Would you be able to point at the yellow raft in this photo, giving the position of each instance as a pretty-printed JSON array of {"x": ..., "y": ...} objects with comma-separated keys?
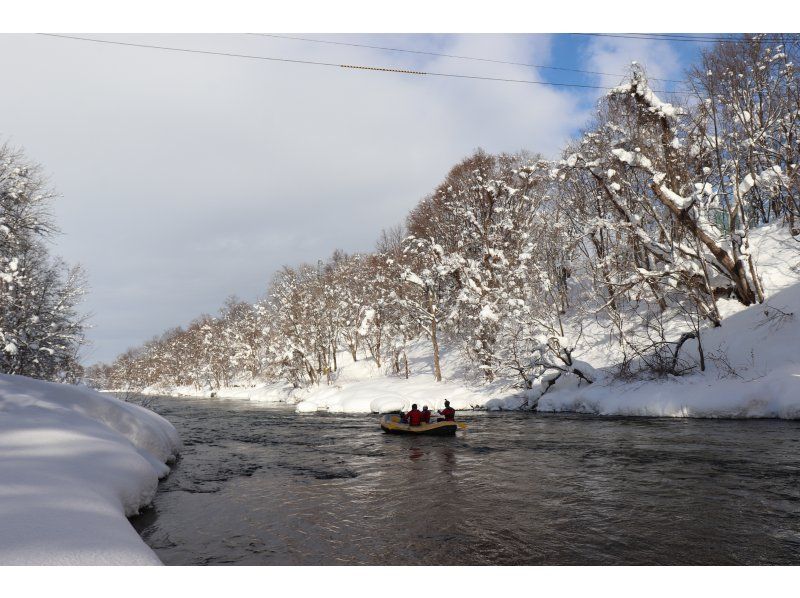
[{"x": 391, "y": 424}]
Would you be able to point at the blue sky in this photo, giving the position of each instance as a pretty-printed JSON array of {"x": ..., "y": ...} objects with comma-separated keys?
[
  {"x": 575, "y": 51},
  {"x": 186, "y": 178}
]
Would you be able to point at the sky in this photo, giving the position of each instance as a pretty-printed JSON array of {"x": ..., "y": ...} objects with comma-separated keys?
[{"x": 186, "y": 178}]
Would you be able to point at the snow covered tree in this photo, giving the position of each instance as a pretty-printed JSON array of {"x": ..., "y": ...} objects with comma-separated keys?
[
  {"x": 41, "y": 331},
  {"x": 347, "y": 287},
  {"x": 302, "y": 347},
  {"x": 661, "y": 150},
  {"x": 398, "y": 327},
  {"x": 492, "y": 199},
  {"x": 481, "y": 223},
  {"x": 242, "y": 337},
  {"x": 748, "y": 104},
  {"x": 426, "y": 285}
]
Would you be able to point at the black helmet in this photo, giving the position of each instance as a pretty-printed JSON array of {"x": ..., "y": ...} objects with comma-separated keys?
[{"x": 414, "y": 406}]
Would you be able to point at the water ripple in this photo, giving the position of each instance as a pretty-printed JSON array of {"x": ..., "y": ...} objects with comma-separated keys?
[{"x": 260, "y": 485}]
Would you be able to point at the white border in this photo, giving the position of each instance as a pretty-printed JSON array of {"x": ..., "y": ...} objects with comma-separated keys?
[
  {"x": 496, "y": 16},
  {"x": 400, "y": 582},
  {"x": 407, "y": 16}
]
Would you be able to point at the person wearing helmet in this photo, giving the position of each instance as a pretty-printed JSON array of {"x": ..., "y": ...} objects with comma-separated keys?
[{"x": 448, "y": 412}]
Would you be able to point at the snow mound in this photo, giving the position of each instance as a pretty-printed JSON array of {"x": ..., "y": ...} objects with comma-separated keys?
[
  {"x": 73, "y": 464},
  {"x": 775, "y": 397},
  {"x": 753, "y": 370}
]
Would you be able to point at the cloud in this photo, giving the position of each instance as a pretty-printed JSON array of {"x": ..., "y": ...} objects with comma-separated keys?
[
  {"x": 615, "y": 55},
  {"x": 186, "y": 178}
]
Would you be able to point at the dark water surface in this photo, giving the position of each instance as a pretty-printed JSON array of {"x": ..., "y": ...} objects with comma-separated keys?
[{"x": 260, "y": 485}]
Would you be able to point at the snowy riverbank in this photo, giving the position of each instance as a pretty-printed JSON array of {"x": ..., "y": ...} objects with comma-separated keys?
[
  {"x": 753, "y": 367},
  {"x": 766, "y": 382},
  {"x": 73, "y": 464},
  {"x": 363, "y": 387},
  {"x": 752, "y": 360},
  {"x": 753, "y": 370}
]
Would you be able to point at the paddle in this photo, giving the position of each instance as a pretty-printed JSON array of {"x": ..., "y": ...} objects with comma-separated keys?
[{"x": 462, "y": 425}]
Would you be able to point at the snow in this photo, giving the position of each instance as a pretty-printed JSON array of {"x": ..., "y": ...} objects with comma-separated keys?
[
  {"x": 385, "y": 395},
  {"x": 761, "y": 348},
  {"x": 767, "y": 364},
  {"x": 758, "y": 342},
  {"x": 747, "y": 183},
  {"x": 632, "y": 158},
  {"x": 773, "y": 396},
  {"x": 366, "y": 323},
  {"x": 640, "y": 88},
  {"x": 768, "y": 177},
  {"x": 413, "y": 278},
  {"x": 488, "y": 314},
  {"x": 363, "y": 387},
  {"x": 680, "y": 202},
  {"x": 74, "y": 464}
]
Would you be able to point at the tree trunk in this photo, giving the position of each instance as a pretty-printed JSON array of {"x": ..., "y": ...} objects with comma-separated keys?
[
  {"x": 735, "y": 269},
  {"x": 437, "y": 372}
]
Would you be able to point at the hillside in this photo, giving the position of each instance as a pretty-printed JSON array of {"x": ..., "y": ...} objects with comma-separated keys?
[{"x": 752, "y": 367}]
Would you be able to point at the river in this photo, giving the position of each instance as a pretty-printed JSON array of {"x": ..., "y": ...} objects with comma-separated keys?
[{"x": 261, "y": 485}]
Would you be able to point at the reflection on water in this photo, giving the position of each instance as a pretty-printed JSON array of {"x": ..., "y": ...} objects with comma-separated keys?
[{"x": 261, "y": 486}]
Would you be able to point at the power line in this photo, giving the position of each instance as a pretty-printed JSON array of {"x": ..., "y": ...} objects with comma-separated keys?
[
  {"x": 186, "y": 50},
  {"x": 675, "y": 37},
  {"x": 776, "y": 38},
  {"x": 331, "y": 64},
  {"x": 646, "y": 36},
  {"x": 457, "y": 56}
]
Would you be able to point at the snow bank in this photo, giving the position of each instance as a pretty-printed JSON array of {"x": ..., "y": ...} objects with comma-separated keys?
[
  {"x": 386, "y": 395},
  {"x": 753, "y": 363},
  {"x": 73, "y": 464},
  {"x": 362, "y": 387},
  {"x": 277, "y": 392},
  {"x": 776, "y": 395}
]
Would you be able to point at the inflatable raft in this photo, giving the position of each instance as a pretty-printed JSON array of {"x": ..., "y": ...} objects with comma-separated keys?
[{"x": 391, "y": 424}]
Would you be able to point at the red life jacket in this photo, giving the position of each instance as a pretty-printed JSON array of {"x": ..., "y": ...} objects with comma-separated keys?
[
  {"x": 425, "y": 416},
  {"x": 414, "y": 417},
  {"x": 449, "y": 414}
]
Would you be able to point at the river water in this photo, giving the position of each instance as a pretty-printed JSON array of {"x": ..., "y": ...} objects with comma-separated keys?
[{"x": 261, "y": 485}]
